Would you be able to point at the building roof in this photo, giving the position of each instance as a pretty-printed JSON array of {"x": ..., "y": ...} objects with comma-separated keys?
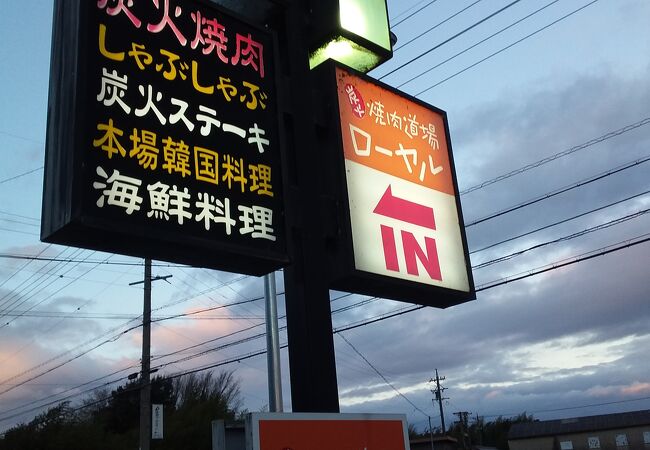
[{"x": 579, "y": 424}]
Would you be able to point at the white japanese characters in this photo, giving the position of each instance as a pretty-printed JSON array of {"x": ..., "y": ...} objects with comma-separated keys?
[{"x": 169, "y": 203}]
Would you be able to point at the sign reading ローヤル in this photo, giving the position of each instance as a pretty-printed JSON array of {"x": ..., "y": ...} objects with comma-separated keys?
[
  {"x": 404, "y": 214},
  {"x": 326, "y": 431},
  {"x": 163, "y": 135}
]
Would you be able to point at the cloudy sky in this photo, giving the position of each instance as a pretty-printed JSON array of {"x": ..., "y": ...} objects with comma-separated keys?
[{"x": 568, "y": 342}]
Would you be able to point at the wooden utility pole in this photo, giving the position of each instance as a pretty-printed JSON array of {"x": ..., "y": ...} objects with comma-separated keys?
[
  {"x": 145, "y": 376},
  {"x": 437, "y": 392}
]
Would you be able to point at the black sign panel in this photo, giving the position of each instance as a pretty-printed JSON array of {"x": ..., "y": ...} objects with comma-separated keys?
[{"x": 163, "y": 136}]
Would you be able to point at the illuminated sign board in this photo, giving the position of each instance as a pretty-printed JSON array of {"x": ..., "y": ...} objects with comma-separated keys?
[
  {"x": 162, "y": 135},
  {"x": 400, "y": 217},
  {"x": 326, "y": 431}
]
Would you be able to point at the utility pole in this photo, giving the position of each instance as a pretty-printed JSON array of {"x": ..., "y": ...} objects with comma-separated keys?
[
  {"x": 437, "y": 392},
  {"x": 145, "y": 374},
  {"x": 431, "y": 433},
  {"x": 464, "y": 428},
  {"x": 479, "y": 426}
]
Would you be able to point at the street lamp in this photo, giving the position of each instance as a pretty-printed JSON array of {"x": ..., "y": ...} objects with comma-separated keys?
[{"x": 353, "y": 32}]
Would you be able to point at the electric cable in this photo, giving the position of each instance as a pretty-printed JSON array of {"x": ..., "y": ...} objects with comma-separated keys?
[
  {"x": 109, "y": 263},
  {"x": 382, "y": 375},
  {"x": 568, "y": 237},
  {"x": 446, "y": 41},
  {"x": 15, "y": 177},
  {"x": 545, "y": 227},
  {"x": 456, "y": 55},
  {"x": 561, "y": 190},
  {"x": 431, "y": 2},
  {"x": 558, "y": 155},
  {"x": 437, "y": 25},
  {"x": 48, "y": 297},
  {"x": 567, "y": 262},
  {"x": 567, "y": 408},
  {"x": 401, "y": 311},
  {"x": 21, "y": 268},
  {"x": 33, "y": 288},
  {"x": 505, "y": 48}
]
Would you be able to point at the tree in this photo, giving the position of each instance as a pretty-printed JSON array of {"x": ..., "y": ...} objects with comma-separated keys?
[
  {"x": 494, "y": 433},
  {"x": 108, "y": 420},
  {"x": 200, "y": 398}
]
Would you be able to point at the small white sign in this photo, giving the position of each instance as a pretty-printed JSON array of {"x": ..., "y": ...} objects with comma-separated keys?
[
  {"x": 646, "y": 437},
  {"x": 566, "y": 445},
  {"x": 594, "y": 442},
  {"x": 621, "y": 440},
  {"x": 156, "y": 421}
]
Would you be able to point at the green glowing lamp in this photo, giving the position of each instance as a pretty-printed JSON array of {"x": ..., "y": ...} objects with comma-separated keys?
[{"x": 353, "y": 32}]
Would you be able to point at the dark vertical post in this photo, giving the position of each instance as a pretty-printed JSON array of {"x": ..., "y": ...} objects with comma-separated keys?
[
  {"x": 272, "y": 344},
  {"x": 309, "y": 323},
  {"x": 440, "y": 399},
  {"x": 145, "y": 382}
]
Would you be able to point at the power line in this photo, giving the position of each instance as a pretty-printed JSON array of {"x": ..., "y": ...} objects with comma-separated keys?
[
  {"x": 421, "y": 74},
  {"x": 600, "y": 252},
  {"x": 247, "y": 339},
  {"x": 27, "y": 233},
  {"x": 7, "y": 213},
  {"x": 567, "y": 262},
  {"x": 437, "y": 25},
  {"x": 69, "y": 260},
  {"x": 20, "y": 175},
  {"x": 16, "y": 136},
  {"x": 32, "y": 283},
  {"x": 567, "y": 408},
  {"x": 19, "y": 222},
  {"x": 52, "y": 369},
  {"x": 74, "y": 280},
  {"x": 112, "y": 339},
  {"x": 74, "y": 388},
  {"x": 568, "y": 237},
  {"x": 409, "y": 8},
  {"x": 240, "y": 341},
  {"x": 446, "y": 41},
  {"x": 413, "y": 13},
  {"x": 107, "y": 316},
  {"x": 561, "y": 154},
  {"x": 21, "y": 268},
  {"x": 600, "y": 208},
  {"x": 561, "y": 190},
  {"x": 479, "y": 289},
  {"x": 506, "y": 48},
  {"x": 382, "y": 375},
  {"x": 402, "y": 311}
]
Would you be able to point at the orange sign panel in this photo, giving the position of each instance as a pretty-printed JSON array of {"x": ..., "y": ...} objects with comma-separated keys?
[
  {"x": 383, "y": 132},
  {"x": 306, "y": 431}
]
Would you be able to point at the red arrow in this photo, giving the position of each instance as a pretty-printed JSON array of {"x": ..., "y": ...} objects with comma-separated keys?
[{"x": 404, "y": 210}]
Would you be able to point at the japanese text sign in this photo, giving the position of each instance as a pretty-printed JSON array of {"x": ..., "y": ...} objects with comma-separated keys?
[
  {"x": 323, "y": 431},
  {"x": 175, "y": 152},
  {"x": 404, "y": 216}
]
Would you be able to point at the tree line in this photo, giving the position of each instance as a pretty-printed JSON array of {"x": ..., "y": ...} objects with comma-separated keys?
[
  {"x": 109, "y": 419},
  {"x": 492, "y": 433}
]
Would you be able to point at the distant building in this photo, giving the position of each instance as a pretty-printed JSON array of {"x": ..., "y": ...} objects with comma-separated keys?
[{"x": 622, "y": 431}]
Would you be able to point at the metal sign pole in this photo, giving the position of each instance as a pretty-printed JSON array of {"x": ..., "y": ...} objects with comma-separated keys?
[
  {"x": 273, "y": 344},
  {"x": 312, "y": 362}
]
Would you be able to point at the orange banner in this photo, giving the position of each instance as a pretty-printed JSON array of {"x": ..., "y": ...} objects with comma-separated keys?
[
  {"x": 393, "y": 134},
  {"x": 331, "y": 434}
]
